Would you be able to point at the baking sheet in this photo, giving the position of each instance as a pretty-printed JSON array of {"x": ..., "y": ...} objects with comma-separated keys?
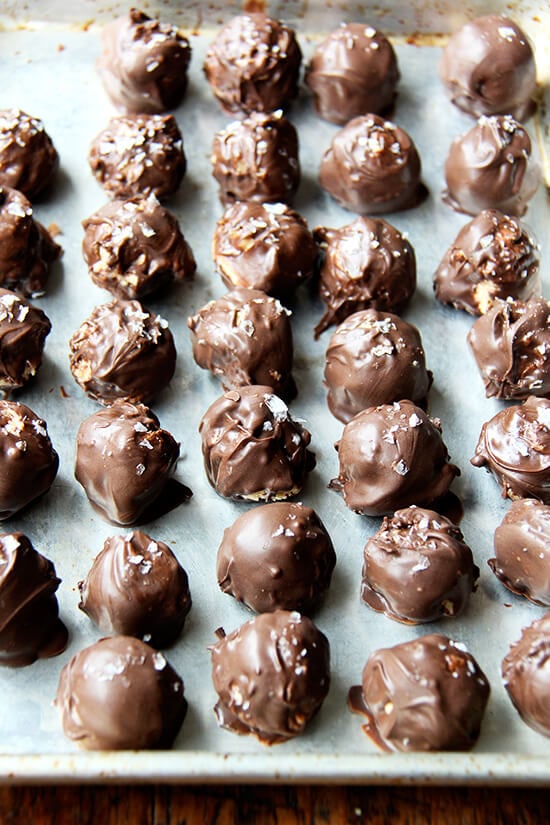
[{"x": 47, "y": 70}]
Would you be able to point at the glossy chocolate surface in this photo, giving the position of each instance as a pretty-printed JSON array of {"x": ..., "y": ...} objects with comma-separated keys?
[
  {"x": 23, "y": 331},
  {"x": 526, "y": 675},
  {"x": 28, "y": 158}
]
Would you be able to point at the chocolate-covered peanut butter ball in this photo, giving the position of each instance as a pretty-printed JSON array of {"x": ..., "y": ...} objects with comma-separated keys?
[
  {"x": 28, "y": 158},
  {"x": 23, "y": 331},
  {"x": 526, "y": 675},
  {"x": 271, "y": 675},
  {"x": 143, "y": 63}
]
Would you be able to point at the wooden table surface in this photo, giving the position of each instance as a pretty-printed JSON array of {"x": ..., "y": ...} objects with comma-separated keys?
[{"x": 256, "y": 805}]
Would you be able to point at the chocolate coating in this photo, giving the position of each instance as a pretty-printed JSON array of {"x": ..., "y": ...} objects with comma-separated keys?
[
  {"x": 493, "y": 256},
  {"x": 23, "y": 331},
  {"x": 511, "y": 345},
  {"x": 122, "y": 351},
  {"x": 490, "y": 166},
  {"x": 143, "y": 63},
  {"x": 488, "y": 68},
  {"x": 366, "y": 264},
  {"x": 137, "y": 587},
  {"x": 135, "y": 247},
  {"x": 352, "y": 72},
  {"x": 263, "y": 246},
  {"x": 428, "y": 694},
  {"x": 245, "y": 338},
  {"x": 271, "y": 675},
  {"x": 253, "y": 64},
  {"x": 276, "y": 555},
  {"x": 256, "y": 159},
  {"x": 374, "y": 358},
  {"x": 124, "y": 460},
  {"x": 30, "y": 627},
  {"x": 526, "y": 675},
  {"x": 515, "y": 446},
  {"x": 28, "y": 158},
  {"x": 138, "y": 154},
  {"x": 372, "y": 167},
  {"x": 521, "y": 545},
  {"x": 417, "y": 568},
  {"x": 252, "y": 448},
  {"x": 28, "y": 461},
  {"x": 392, "y": 456},
  {"x": 120, "y": 694},
  {"x": 26, "y": 247}
]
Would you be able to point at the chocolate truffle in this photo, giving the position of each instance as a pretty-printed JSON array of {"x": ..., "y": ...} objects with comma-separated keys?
[
  {"x": 23, "y": 331},
  {"x": 28, "y": 461},
  {"x": 511, "y": 345},
  {"x": 392, "y": 456},
  {"x": 122, "y": 351},
  {"x": 490, "y": 166},
  {"x": 271, "y": 675},
  {"x": 352, "y": 72},
  {"x": 30, "y": 627},
  {"x": 143, "y": 63},
  {"x": 245, "y": 338},
  {"x": 26, "y": 247},
  {"x": 488, "y": 68},
  {"x": 428, "y": 694},
  {"x": 252, "y": 448},
  {"x": 374, "y": 358},
  {"x": 515, "y": 446},
  {"x": 493, "y": 256},
  {"x": 372, "y": 167},
  {"x": 366, "y": 264},
  {"x": 256, "y": 159},
  {"x": 28, "y": 158},
  {"x": 124, "y": 460},
  {"x": 263, "y": 246},
  {"x": 138, "y": 154},
  {"x": 253, "y": 64},
  {"x": 135, "y": 247},
  {"x": 276, "y": 556},
  {"x": 120, "y": 694},
  {"x": 137, "y": 587},
  {"x": 417, "y": 568},
  {"x": 521, "y": 545},
  {"x": 526, "y": 675}
]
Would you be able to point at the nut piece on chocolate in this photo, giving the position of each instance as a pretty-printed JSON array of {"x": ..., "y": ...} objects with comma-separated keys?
[
  {"x": 490, "y": 166},
  {"x": 26, "y": 247},
  {"x": 23, "y": 331},
  {"x": 352, "y": 72},
  {"x": 120, "y": 694},
  {"x": 276, "y": 555},
  {"x": 143, "y": 63},
  {"x": 138, "y": 154},
  {"x": 243, "y": 338},
  {"x": 256, "y": 159},
  {"x": 511, "y": 345},
  {"x": 28, "y": 461},
  {"x": 392, "y": 456},
  {"x": 493, "y": 256},
  {"x": 366, "y": 264},
  {"x": 122, "y": 351},
  {"x": 124, "y": 460},
  {"x": 372, "y": 167},
  {"x": 137, "y": 587},
  {"x": 374, "y": 358},
  {"x": 515, "y": 446},
  {"x": 425, "y": 695},
  {"x": 271, "y": 675},
  {"x": 252, "y": 448},
  {"x": 263, "y": 246},
  {"x": 521, "y": 543},
  {"x": 417, "y": 568},
  {"x": 31, "y": 628},
  {"x": 135, "y": 247},
  {"x": 253, "y": 64},
  {"x": 526, "y": 675},
  {"x": 488, "y": 68},
  {"x": 28, "y": 158}
]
